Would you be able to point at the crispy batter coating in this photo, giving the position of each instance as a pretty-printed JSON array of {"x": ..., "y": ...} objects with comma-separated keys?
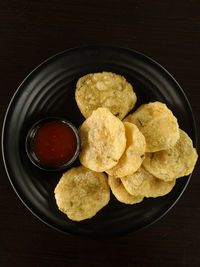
[
  {"x": 120, "y": 192},
  {"x": 172, "y": 163},
  {"x": 158, "y": 125},
  {"x": 81, "y": 193},
  {"x": 143, "y": 183},
  {"x": 134, "y": 153},
  {"x": 104, "y": 89},
  {"x": 103, "y": 140}
]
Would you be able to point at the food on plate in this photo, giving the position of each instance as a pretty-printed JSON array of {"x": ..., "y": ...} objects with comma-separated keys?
[
  {"x": 81, "y": 193},
  {"x": 143, "y": 155},
  {"x": 107, "y": 90},
  {"x": 54, "y": 143},
  {"x": 142, "y": 183},
  {"x": 120, "y": 192},
  {"x": 172, "y": 163},
  {"x": 158, "y": 125},
  {"x": 103, "y": 140},
  {"x": 134, "y": 153}
]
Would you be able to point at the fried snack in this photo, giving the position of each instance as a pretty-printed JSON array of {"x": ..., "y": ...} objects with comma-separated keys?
[
  {"x": 104, "y": 89},
  {"x": 134, "y": 153},
  {"x": 142, "y": 183},
  {"x": 172, "y": 163},
  {"x": 103, "y": 140},
  {"x": 81, "y": 193},
  {"x": 158, "y": 125},
  {"x": 120, "y": 192}
]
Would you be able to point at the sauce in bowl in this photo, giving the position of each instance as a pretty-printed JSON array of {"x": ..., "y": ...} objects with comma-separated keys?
[{"x": 52, "y": 144}]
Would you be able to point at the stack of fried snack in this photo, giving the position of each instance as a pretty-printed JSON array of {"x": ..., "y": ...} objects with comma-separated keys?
[{"x": 137, "y": 157}]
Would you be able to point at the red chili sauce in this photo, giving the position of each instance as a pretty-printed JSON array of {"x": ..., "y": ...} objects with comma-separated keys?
[{"x": 54, "y": 143}]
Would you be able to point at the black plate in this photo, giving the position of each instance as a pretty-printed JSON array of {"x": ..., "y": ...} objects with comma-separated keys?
[{"x": 49, "y": 91}]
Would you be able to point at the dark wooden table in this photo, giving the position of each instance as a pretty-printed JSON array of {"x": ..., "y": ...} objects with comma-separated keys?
[{"x": 169, "y": 32}]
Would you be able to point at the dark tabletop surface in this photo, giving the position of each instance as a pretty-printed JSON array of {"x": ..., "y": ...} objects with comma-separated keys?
[{"x": 169, "y": 32}]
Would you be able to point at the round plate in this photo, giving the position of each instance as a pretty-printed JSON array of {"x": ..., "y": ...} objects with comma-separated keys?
[{"x": 49, "y": 91}]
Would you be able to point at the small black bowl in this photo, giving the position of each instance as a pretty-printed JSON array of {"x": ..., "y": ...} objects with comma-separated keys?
[{"x": 29, "y": 145}]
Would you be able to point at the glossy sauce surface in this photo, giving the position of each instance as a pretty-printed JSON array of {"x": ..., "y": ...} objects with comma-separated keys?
[{"x": 54, "y": 143}]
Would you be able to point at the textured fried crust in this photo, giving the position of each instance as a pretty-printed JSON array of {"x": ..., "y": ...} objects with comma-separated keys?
[
  {"x": 158, "y": 125},
  {"x": 103, "y": 140},
  {"x": 172, "y": 163},
  {"x": 81, "y": 193},
  {"x": 120, "y": 192},
  {"x": 104, "y": 89},
  {"x": 142, "y": 183},
  {"x": 134, "y": 153}
]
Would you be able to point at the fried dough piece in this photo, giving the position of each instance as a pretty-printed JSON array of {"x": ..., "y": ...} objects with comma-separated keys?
[
  {"x": 81, "y": 193},
  {"x": 158, "y": 125},
  {"x": 143, "y": 183},
  {"x": 134, "y": 153},
  {"x": 103, "y": 140},
  {"x": 107, "y": 90},
  {"x": 120, "y": 192},
  {"x": 172, "y": 163}
]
